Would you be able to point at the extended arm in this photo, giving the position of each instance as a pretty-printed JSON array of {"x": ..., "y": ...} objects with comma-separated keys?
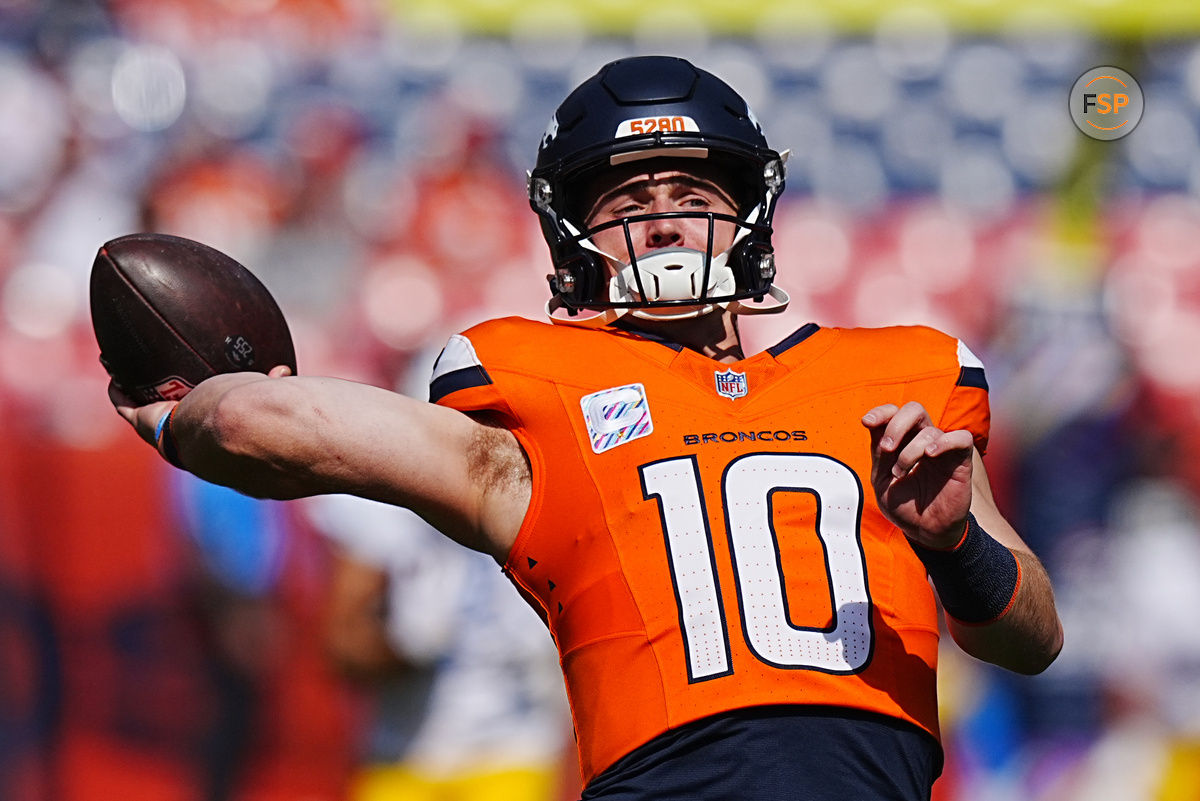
[
  {"x": 927, "y": 481},
  {"x": 288, "y": 437}
]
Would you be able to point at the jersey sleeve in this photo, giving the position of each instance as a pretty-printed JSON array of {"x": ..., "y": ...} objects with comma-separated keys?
[
  {"x": 461, "y": 381},
  {"x": 967, "y": 406}
]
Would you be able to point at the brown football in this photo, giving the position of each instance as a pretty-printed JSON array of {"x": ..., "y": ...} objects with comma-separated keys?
[{"x": 169, "y": 312}]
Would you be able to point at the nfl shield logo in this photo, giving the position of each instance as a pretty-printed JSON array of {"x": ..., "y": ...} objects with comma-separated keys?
[{"x": 730, "y": 384}]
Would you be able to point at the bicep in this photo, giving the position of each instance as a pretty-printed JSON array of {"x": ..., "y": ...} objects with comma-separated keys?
[
  {"x": 398, "y": 449},
  {"x": 467, "y": 478}
]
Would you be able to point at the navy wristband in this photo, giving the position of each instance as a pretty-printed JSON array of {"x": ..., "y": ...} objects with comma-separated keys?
[
  {"x": 977, "y": 580},
  {"x": 164, "y": 439}
]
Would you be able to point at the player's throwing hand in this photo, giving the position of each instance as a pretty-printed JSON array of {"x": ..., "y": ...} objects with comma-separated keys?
[{"x": 150, "y": 420}]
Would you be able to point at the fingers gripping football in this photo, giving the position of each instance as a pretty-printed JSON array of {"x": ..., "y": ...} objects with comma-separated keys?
[
  {"x": 146, "y": 418},
  {"x": 921, "y": 475}
]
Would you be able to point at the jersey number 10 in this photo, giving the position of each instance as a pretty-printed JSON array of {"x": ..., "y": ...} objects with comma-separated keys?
[{"x": 748, "y": 485}]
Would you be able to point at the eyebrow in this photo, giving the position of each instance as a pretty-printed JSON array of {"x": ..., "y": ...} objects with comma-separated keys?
[{"x": 639, "y": 186}]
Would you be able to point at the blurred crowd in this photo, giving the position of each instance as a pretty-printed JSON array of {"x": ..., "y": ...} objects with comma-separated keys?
[{"x": 160, "y": 640}]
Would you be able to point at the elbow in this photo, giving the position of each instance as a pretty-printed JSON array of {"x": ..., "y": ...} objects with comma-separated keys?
[
  {"x": 1034, "y": 623},
  {"x": 1025, "y": 646},
  {"x": 1038, "y": 654},
  {"x": 1033, "y": 665},
  {"x": 1043, "y": 657}
]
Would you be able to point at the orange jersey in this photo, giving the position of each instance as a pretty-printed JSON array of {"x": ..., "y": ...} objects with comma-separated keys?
[{"x": 702, "y": 537}]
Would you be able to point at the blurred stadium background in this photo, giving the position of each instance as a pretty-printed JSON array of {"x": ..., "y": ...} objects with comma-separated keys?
[{"x": 367, "y": 160}]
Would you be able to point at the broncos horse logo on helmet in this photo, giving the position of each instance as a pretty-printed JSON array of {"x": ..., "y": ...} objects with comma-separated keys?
[{"x": 651, "y": 107}]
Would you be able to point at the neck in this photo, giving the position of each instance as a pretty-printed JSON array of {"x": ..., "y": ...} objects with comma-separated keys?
[{"x": 714, "y": 335}]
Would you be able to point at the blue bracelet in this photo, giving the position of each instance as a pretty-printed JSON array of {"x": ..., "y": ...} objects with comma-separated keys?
[
  {"x": 977, "y": 580},
  {"x": 164, "y": 439}
]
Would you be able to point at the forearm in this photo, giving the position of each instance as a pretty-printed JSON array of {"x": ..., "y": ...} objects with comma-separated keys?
[
  {"x": 1028, "y": 636},
  {"x": 293, "y": 437},
  {"x": 256, "y": 435}
]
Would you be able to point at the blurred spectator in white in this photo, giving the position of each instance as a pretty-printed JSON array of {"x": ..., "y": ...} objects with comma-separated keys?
[
  {"x": 1134, "y": 612},
  {"x": 470, "y": 703},
  {"x": 468, "y": 698}
]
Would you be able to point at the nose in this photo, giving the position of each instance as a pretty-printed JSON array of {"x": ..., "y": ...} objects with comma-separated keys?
[{"x": 664, "y": 232}]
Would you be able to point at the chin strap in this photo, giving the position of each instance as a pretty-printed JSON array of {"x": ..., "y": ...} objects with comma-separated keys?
[
  {"x": 556, "y": 310},
  {"x": 749, "y": 306}
]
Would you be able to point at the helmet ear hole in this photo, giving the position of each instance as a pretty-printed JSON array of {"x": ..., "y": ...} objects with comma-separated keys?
[
  {"x": 579, "y": 278},
  {"x": 753, "y": 264}
]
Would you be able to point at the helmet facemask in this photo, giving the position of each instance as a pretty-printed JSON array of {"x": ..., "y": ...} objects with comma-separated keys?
[
  {"x": 672, "y": 282},
  {"x": 657, "y": 107},
  {"x": 669, "y": 283}
]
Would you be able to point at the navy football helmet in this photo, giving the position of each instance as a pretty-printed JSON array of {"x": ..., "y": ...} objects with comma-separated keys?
[{"x": 651, "y": 107}]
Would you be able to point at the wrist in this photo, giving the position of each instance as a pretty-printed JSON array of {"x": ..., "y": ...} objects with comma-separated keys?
[
  {"x": 977, "y": 580},
  {"x": 164, "y": 438},
  {"x": 949, "y": 540}
]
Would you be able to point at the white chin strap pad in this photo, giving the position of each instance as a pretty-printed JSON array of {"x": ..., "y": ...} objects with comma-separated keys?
[
  {"x": 678, "y": 274},
  {"x": 671, "y": 274}
]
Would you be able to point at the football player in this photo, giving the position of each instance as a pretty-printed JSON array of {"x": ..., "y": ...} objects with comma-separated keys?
[{"x": 739, "y": 557}]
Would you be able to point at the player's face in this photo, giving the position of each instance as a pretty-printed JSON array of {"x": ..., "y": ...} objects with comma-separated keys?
[{"x": 659, "y": 188}]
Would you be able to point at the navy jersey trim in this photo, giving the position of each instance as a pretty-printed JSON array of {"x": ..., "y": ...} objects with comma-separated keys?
[
  {"x": 465, "y": 378},
  {"x": 637, "y": 332},
  {"x": 795, "y": 338},
  {"x": 972, "y": 377}
]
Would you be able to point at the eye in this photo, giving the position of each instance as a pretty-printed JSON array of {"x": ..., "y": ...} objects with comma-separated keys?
[
  {"x": 624, "y": 207},
  {"x": 692, "y": 196}
]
